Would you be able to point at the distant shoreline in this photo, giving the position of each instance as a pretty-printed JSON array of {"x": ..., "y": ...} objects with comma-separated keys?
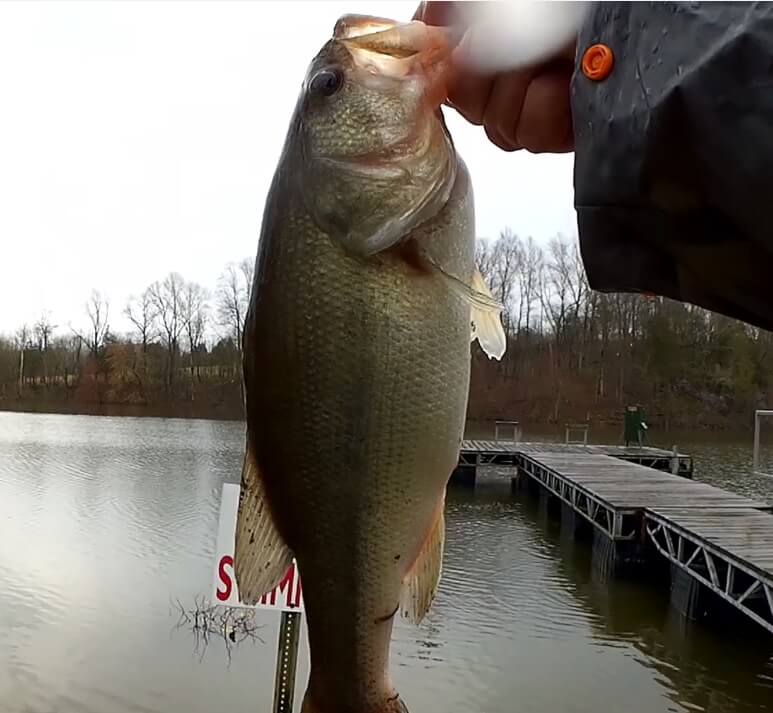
[
  {"x": 190, "y": 410},
  {"x": 477, "y": 426}
]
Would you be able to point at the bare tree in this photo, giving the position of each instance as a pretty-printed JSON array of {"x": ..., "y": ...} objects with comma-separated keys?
[
  {"x": 560, "y": 297},
  {"x": 167, "y": 299},
  {"x": 529, "y": 279},
  {"x": 142, "y": 313},
  {"x": 582, "y": 301},
  {"x": 556, "y": 290},
  {"x": 233, "y": 297},
  {"x": 247, "y": 268},
  {"x": 194, "y": 318},
  {"x": 97, "y": 310},
  {"x": 21, "y": 339},
  {"x": 506, "y": 258},
  {"x": 604, "y": 323},
  {"x": 484, "y": 260},
  {"x": 232, "y": 302},
  {"x": 43, "y": 331}
]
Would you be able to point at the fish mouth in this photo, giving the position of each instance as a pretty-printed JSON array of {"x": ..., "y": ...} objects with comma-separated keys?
[
  {"x": 351, "y": 26},
  {"x": 399, "y": 50}
]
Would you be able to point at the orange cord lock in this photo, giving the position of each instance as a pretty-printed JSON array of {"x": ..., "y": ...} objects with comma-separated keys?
[{"x": 597, "y": 62}]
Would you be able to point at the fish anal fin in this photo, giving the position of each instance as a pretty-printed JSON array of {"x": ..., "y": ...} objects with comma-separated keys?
[
  {"x": 420, "y": 585},
  {"x": 261, "y": 557},
  {"x": 487, "y": 322}
]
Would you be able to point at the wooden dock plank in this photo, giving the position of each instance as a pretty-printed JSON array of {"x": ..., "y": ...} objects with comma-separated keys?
[
  {"x": 491, "y": 446},
  {"x": 630, "y": 487}
]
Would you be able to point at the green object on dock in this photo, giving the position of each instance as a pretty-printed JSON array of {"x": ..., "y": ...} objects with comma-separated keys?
[{"x": 635, "y": 428}]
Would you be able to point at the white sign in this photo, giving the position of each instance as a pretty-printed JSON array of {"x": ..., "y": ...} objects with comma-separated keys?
[{"x": 286, "y": 596}]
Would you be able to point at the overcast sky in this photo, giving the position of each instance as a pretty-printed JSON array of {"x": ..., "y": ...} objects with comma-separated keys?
[{"x": 139, "y": 138}]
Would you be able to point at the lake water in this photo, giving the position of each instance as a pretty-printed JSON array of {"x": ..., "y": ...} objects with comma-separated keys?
[{"x": 105, "y": 521}]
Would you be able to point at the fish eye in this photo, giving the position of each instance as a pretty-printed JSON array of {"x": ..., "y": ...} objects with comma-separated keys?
[{"x": 327, "y": 82}]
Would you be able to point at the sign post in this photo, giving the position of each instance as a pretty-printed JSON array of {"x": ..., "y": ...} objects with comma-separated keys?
[
  {"x": 286, "y": 597},
  {"x": 286, "y": 661}
]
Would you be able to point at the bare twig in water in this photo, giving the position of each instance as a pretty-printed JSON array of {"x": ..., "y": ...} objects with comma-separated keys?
[{"x": 207, "y": 621}]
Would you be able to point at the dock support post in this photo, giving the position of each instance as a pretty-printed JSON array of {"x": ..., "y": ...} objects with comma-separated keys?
[
  {"x": 756, "y": 453},
  {"x": 618, "y": 558},
  {"x": 603, "y": 556},
  {"x": 572, "y": 524},
  {"x": 688, "y": 596},
  {"x": 286, "y": 662},
  {"x": 542, "y": 507},
  {"x": 675, "y": 461},
  {"x": 756, "y": 450},
  {"x": 519, "y": 483}
]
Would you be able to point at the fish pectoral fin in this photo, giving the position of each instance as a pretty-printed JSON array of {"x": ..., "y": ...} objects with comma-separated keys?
[
  {"x": 486, "y": 312},
  {"x": 421, "y": 583},
  {"x": 261, "y": 558},
  {"x": 487, "y": 321}
]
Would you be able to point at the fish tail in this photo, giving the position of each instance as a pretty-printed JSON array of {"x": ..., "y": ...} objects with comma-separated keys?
[{"x": 392, "y": 705}]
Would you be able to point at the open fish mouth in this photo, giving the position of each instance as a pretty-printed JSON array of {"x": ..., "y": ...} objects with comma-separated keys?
[
  {"x": 397, "y": 49},
  {"x": 353, "y": 25}
]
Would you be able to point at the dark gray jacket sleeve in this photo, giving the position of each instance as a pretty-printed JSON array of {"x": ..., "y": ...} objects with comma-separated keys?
[{"x": 674, "y": 154}]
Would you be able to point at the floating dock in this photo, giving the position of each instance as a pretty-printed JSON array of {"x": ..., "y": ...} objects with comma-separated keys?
[
  {"x": 642, "y": 503},
  {"x": 476, "y": 453}
]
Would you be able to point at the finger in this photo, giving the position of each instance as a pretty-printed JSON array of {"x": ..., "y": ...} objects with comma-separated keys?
[
  {"x": 436, "y": 13},
  {"x": 503, "y": 109},
  {"x": 545, "y": 121},
  {"x": 469, "y": 93}
]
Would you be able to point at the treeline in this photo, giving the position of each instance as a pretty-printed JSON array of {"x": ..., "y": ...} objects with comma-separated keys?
[
  {"x": 182, "y": 355},
  {"x": 573, "y": 353},
  {"x": 576, "y": 354}
]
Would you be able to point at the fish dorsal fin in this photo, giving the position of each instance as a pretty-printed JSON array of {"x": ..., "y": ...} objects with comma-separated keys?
[
  {"x": 261, "y": 557},
  {"x": 421, "y": 583},
  {"x": 487, "y": 322}
]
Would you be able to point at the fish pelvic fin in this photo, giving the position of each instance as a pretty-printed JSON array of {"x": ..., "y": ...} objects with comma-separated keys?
[
  {"x": 487, "y": 322},
  {"x": 420, "y": 585},
  {"x": 261, "y": 557}
]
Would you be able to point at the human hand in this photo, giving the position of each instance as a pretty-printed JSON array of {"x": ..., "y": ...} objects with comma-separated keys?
[{"x": 526, "y": 108}]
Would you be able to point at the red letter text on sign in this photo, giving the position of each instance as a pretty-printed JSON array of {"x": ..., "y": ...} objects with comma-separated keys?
[
  {"x": 225, "y": 578},
  {"x": 298, "y": 594},
  {"x": 285, "y": 587}
]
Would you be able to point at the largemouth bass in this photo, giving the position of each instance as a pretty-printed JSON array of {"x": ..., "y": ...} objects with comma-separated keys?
[{"x": 357, "y": 354}]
